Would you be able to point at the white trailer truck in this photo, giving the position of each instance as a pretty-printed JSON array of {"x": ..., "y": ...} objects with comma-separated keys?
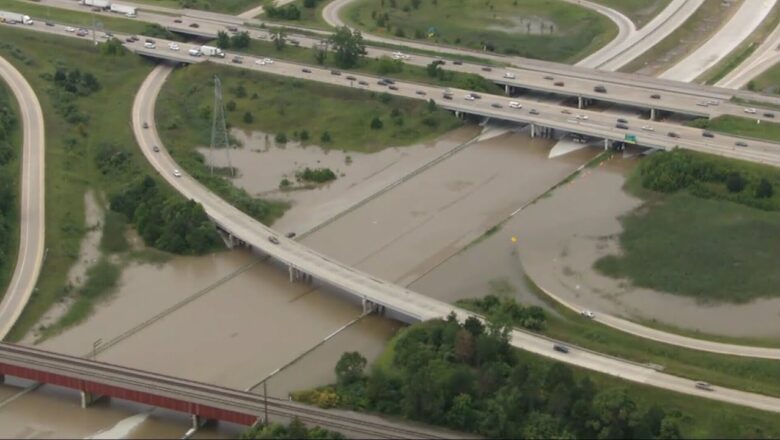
[
  {"x": 130, "y": 11},
  {"x": 211, "y": 51},
  {"x": 105, "y": 4},
  {"x": 13, "y": 17}
]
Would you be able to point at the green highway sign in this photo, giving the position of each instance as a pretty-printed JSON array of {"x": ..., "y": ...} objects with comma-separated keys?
[{"x": 630, "y": 138}]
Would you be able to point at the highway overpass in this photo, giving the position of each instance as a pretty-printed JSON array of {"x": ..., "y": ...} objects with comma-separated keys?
[
  {"x": 622, "y": 88},
  {"x": 203, "y": 401}
]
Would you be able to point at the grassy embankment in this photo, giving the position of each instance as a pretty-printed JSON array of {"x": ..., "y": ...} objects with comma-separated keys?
[
  {"x": 709, "y": 229},
  {"x": 10, "y": 173},
  {"x": 739, "y": 126},
  {"x": 227, "y": 6},
  {"x": 767, "y": 82},
  {"x": 71, "y": 170},
  {"x": 639, "y": 11},
  {"x": 743, "y": 51},
  {"x": 697, "y": 29},
  {"x": 500, "y": 25},
  {"x": 289, "y": 106},
  {"x": 748, "y": 374},
  {"x": 309, "y": 17}
]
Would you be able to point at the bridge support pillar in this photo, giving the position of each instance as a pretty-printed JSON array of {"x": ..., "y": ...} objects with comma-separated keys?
[
  {"x": 87, "y": 399},
  {"x": 579, "y": 102},
  {"x": 199, "y": 422},
  {"x": 508, "y": 90},
  {"x": 2, "y": 378},
  {"x": 606, "y": 144},
  {"x": 372, "y": 307},
  {"x": 533, "y": 130},
  {"x": 652, "y": 114}
]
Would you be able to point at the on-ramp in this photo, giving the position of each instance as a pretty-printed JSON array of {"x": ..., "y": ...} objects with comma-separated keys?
[{"x": 31, "y": 214}]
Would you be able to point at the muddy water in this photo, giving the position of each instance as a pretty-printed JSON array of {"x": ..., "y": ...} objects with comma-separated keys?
[
  {"x": 249, "y": 325},
  {"x": 561, "y": 236},
  {"x": 262, "y": 164}
]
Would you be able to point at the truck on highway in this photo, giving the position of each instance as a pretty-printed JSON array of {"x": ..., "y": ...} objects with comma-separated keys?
[
  {"x": 13, "y": 17},
  {"x": 105, "y": 4},
  {"x": 211, "y": 51},
  {"x": 128, "y": 10}
]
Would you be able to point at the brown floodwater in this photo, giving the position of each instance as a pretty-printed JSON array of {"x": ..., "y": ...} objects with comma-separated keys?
[
  {"x": 561, "y": 236},
  {"x": 262, "y": 164},
  {"x": 246, "y": 326}
]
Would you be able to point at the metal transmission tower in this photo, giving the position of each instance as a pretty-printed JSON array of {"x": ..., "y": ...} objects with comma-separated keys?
[{"x": 219, "y": 134}]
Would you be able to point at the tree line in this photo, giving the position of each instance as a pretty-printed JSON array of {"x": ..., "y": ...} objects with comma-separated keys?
[
  {"x": 8, "y": 200},
  {"x": 293, "y": 430},
  {"x": 711, "y": 177},
  {"x": 468, "y": 377}
]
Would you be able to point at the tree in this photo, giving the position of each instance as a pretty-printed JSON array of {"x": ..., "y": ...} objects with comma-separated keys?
[
  {"x": 223, "y": 40},
  {"x": 735, "y": 182},
  {"x": 350, "y": 368},
  {"x": 279, "y": 37},
  {"x": 320, "y": 53},
  {"x": 240, "y": 40},
  {"x": 309, "y": 3},
  {"x": 764, "y": 190},
  {"x": 376, "y": 123},
  {"x": 347, "y": 46},
  {"x": 474, "y": 326},
  {"x": 230, "y": 106},
  {"x": 613, "y": 414},
  {"x": 462, "y": 414},
  {"x": 464, "y": 346},
  {"x": 248, "y": 118}
]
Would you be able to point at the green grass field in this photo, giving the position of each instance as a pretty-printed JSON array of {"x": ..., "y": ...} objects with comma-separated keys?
[
  {"x": 282, "y": 105},
  {"x": 310, "y": 17},
  {"x": 70, "y": 167},
  {"x": 738, "y": 126},
  {"x": 696, "y": 30},
  {"x": 13, "y": 172},
  {"x": 639, "y": 11},
  {"x": 767, "y": 82},
  {"x": 542, "y": 29},
  {"x": 708, "y": 249}
]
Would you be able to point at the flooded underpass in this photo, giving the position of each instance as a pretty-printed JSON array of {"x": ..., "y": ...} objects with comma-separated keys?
[{"x": 232, "y": 319}]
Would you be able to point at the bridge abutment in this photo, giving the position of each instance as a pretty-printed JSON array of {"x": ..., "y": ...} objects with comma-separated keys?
[
  {"x": 88, "y": 398},
  {"x": 372, "y": 307}
]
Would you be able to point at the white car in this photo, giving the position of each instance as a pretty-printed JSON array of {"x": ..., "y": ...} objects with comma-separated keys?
[
  {"x": 588, "y": 314},
  {"x": 515, "y": 104},
  {"x": 750, "y": 110},
  {"x": 70, "y": 29},
  {"x": 509, "y": 75},
  {"x": 582, "y": 117},
  {"x": 647, "y": 128},
  {"x": 400, "y": 56},
  {"x": 469, "y": 97},
  {"x": 173, "y": 46},
  {"x": 268, "y": 61},
  {"x": 149, "y": 45},
  {"x": 177, "y": 173}
]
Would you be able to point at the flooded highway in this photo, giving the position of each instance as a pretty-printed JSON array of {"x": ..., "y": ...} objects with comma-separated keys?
[{"x": 232, "y": 319}]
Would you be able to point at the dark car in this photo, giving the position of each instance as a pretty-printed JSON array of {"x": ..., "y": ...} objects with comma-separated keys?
[
  {"x": 146, "y": 125},
  {"x": 769, "y": 115},
  {"x": 487, "y": 69},
  {"x": 232, "y": 29},
  {"x": 363, "y": 83},
  {"x": 476, "y": 96},
  {"x": 381, "y": 82},
  {"x": 388, "y": 81},
  {"x": 305, "y": 70},
  {"x": 335, "y": 72},
  {"x": 457, "y": 63},
  {"x": 156, "y": 149},
  {"x": 655, "y": 96},
  {"x": 673, "y": 134},
  {"x": 548, "y": 77},
  {"x": 392, "y": 87},
  {"x": 178, "y": 20},
  {"x": 290, "y": 235},
  {"x": 194, "y": 25},
  {"x": 534, "y": 111},
  {"x": 622, "y": 121},
  {"x": 149, "y": 40},
  {"x": 600, "y": 89},
  {"x": 621, "y": 126},
  {"x": 48, "y": 23},
  {"x": 495, "y": 105},
  {"x": 741, "y": 144},
  {"x": 237, "y": 60},
  {"x": 708, "y": 134},
  {"x": 558, "y": 83},
  {"x": 448, "y": 96},
  {"x": 350, "y": 78},
  {"x": 560, "y": 347},
  {"x": 129, "y": 39},
  {"x": 273, "y": 239},
  {"x": 420, "y": 92}
]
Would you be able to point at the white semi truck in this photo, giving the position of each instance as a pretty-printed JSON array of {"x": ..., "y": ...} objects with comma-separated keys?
[
  {"x": 211, "y": 51},
  {"x": 13, "y": 17},
  {"x": 105, "y": 4},
  {"x": 130, "y": 11}
]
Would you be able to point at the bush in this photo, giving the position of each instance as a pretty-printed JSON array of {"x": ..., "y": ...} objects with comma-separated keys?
[
  {"x": 281, "y": 138},
  {"x": 248, "y": 118},
  {"x": 376, "y": 123},
  {"x": 735, "y": 183},
  {"x": 316, "y": 175}
]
